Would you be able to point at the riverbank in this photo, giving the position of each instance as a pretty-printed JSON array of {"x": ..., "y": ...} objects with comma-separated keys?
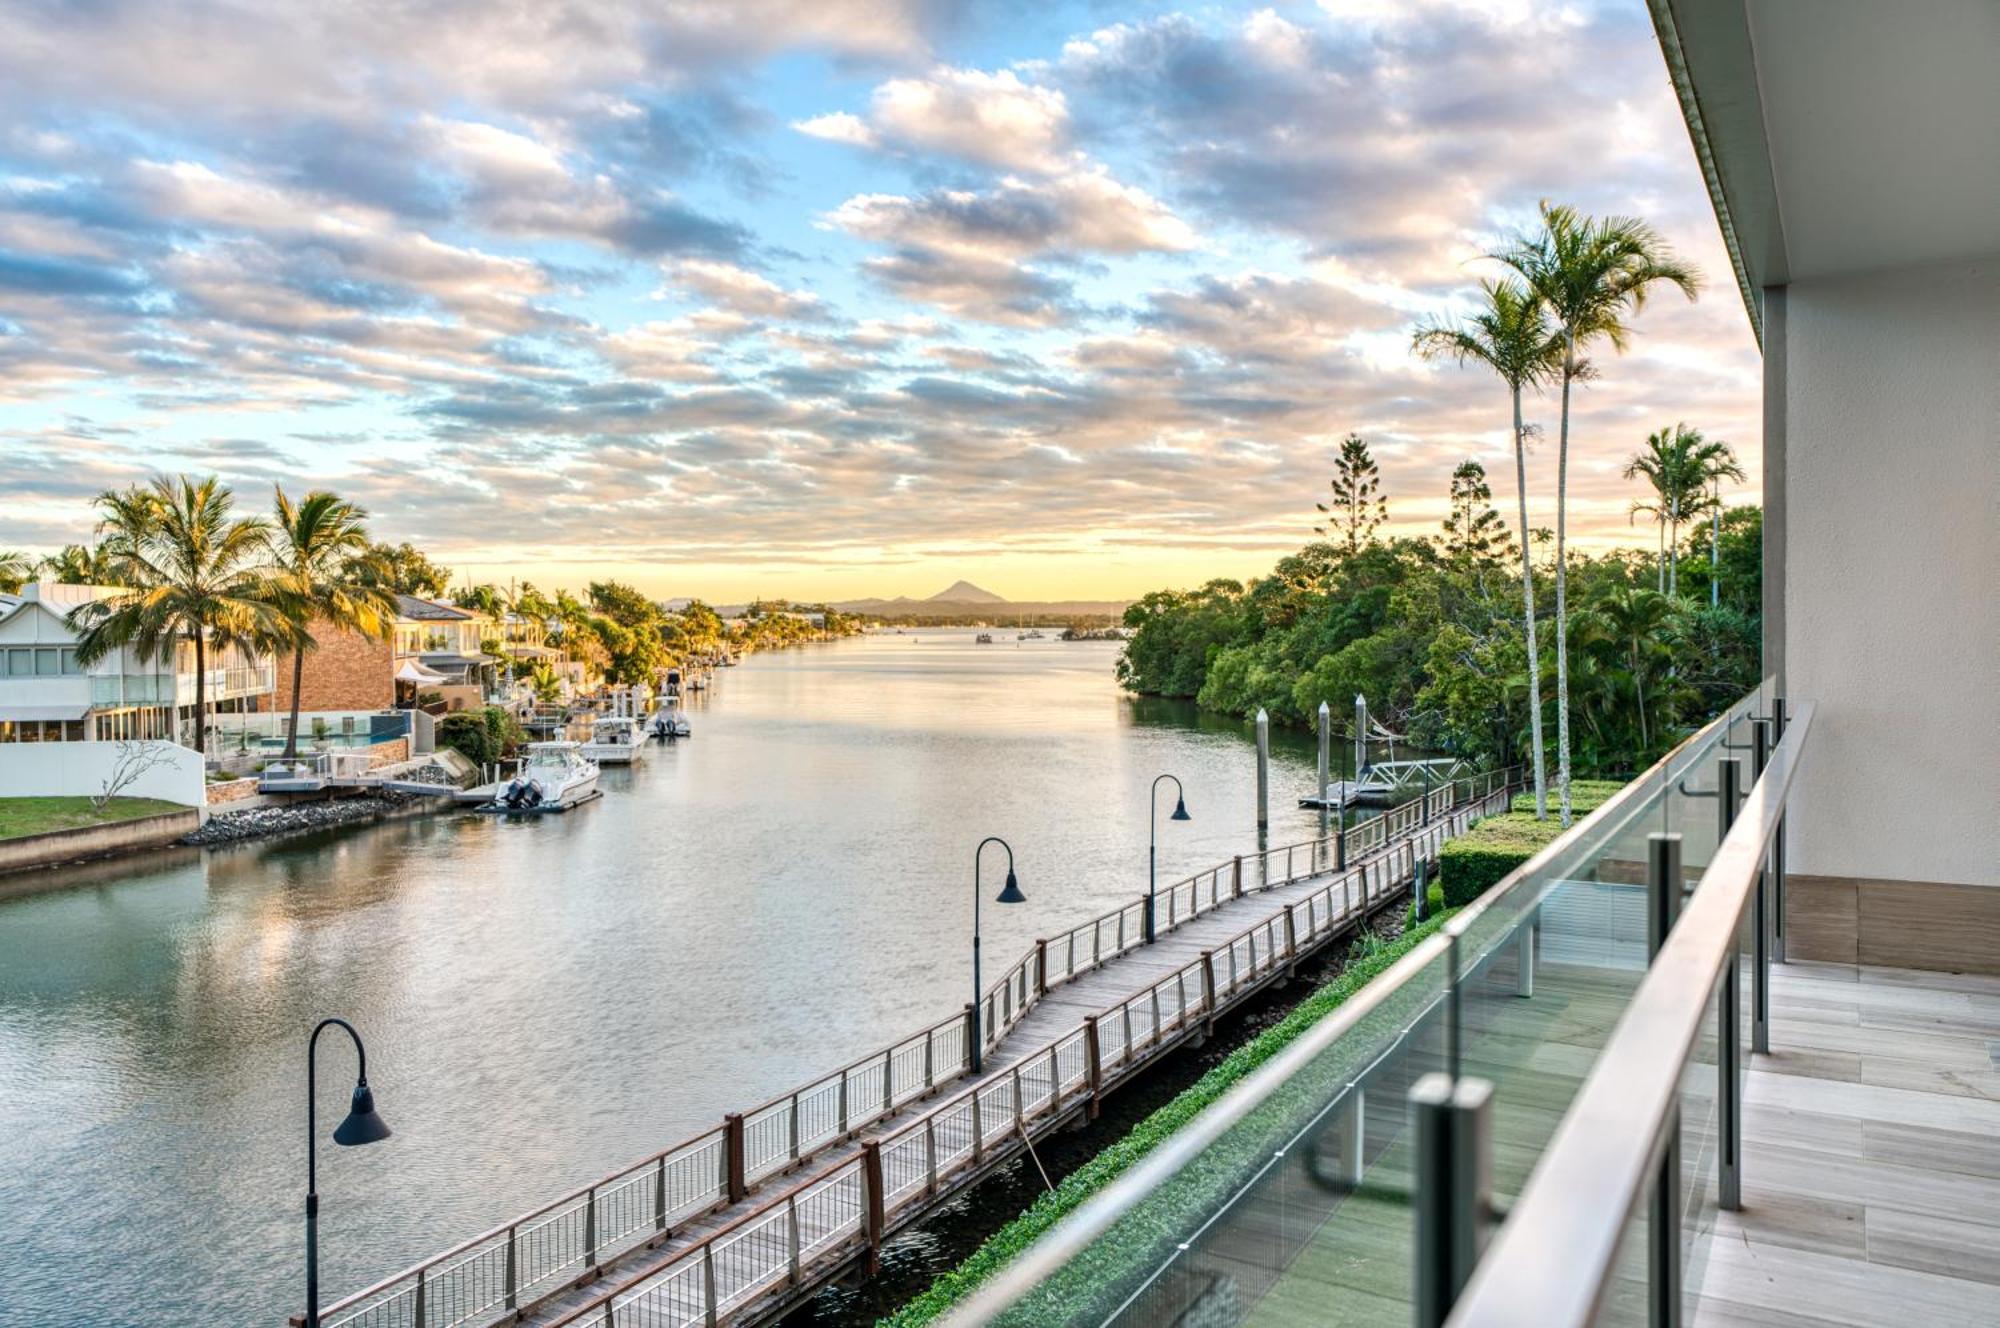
[
  {"x": 296, "y": 817},
  {"x": 55, "y": 831}
]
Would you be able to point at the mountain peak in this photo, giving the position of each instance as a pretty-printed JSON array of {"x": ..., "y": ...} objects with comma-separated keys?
[{"x": 964, "y": 592}]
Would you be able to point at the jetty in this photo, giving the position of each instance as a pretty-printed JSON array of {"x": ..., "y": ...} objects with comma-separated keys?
[{"x": 743, "y": 1222}]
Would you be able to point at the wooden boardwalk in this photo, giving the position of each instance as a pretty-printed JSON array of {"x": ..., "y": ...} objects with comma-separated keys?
[{"x": 881, "y": 1143}]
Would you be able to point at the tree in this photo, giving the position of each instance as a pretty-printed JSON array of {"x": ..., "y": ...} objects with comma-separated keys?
[
  {"x": 314, "y": 545},
  {"x": 1357, "y": 507},
  {"x": 16, "y": 569},
  {"x": 1473, "y": 529},
  {"x": 194, "y": 575},
  {"x": 1590, "y": 275},
  {"x": 1511, "y": 336},
  {"x": 401, "y": 569},
  {"x": 77, "y": 565},
  {"x": 134, "y": 758},
  {"x": 1685, "y": 470}
]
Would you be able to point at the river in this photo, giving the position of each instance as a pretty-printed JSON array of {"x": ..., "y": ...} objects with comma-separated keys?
[{"x": 545, "y": 1000}]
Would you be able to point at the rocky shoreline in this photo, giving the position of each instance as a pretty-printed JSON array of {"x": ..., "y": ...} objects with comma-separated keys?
[{"x": 261, "y": 822}]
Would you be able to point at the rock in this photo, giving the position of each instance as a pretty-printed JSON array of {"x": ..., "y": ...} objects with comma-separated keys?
[{"x": 257, "y": 822}]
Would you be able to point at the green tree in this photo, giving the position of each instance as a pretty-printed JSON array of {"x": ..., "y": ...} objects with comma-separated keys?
[
  {"x": 1357, "y": 507},
  {"x": 1590, "y": 275},
  {"x": 1685, "y": 470},
  {"x": 401, "y": 569},
  {"x": 194, "y": 575},
  {"x": 78, "y": 565},
  {"x": 1511, "y": 336},
  {"x": 314, "y": 544},
  {"x": 1472, "y": 530},
  {"x": 16, "y": 570}
]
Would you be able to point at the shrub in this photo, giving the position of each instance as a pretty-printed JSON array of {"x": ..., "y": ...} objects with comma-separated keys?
[
  {"x": 481, "y": 736},
  {"x": 1471, "y": 864},
  {"x": 1370, "y": 958}
]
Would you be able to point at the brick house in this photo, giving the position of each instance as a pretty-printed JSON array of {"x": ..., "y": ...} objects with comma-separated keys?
[{"x": 433, "y": 647}]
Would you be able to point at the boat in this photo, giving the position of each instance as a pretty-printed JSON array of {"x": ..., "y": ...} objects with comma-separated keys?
[
  {"x": 983, "y": 639},
  {"x": 1032, "y": 634},
  {"x": 669, "y": 724},
  {"x": 614, "y": 739},
  {"x": 555, "y": 777}
]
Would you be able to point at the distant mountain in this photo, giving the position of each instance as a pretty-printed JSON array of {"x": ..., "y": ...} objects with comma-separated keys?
[{"x": 964, "y": 592}]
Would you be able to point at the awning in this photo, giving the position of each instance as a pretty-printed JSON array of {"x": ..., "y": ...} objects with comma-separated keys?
[
  {"x": 24, "y": 714},
  {"x": 415, "y": 672}
]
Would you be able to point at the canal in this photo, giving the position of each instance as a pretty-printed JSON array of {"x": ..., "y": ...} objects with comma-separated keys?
[{"x": 547, "y": 1000}]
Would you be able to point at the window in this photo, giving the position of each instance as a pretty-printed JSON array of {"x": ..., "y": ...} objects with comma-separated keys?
[
  {"x": 69, "y": 664},
  {"x": 48, "y": 662},
  {"x": 20, "y": 662},
  {"x": 72, "y": 730}
]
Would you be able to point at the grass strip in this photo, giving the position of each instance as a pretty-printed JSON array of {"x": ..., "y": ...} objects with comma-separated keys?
[
  {"x": 21, "y": 817},
  {"x": 1369, "y": 960}
]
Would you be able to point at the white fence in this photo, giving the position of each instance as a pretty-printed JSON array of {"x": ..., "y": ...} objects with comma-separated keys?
[{"x": 49, "y": 769}]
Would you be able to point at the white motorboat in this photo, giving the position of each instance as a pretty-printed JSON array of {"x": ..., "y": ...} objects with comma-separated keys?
[
  {"x": 613, "y": 740},
  {"x": 669, "y": 723},
  {"x": 555, "y": 777}
]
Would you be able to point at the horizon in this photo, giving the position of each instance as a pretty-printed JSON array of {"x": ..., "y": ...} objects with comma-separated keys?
[{"x": 830, "y": 304}]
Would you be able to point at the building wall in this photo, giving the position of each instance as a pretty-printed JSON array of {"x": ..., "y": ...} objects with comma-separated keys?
[
  {"x": 52, "y": 769},
  {"x": 348, "y": 672},
  {"x": 1891, "y": 595}
]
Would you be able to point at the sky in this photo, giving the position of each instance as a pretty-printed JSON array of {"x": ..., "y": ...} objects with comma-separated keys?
[{"x": 822, "y": 298}]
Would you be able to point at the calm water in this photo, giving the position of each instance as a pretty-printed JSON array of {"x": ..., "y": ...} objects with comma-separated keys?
[{"x": 546, "y": 1000}]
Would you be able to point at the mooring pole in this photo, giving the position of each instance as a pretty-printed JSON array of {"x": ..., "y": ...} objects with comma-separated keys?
[
  {"x": 1325, "y": 749},
  {"x": 1263, "y": 776},
  {"x": 1360, "y": 735}
]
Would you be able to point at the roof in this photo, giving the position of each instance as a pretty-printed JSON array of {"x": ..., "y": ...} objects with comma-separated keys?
[
  {"x": 415, "y": 609},
  {"x": 22, "y": 714}
]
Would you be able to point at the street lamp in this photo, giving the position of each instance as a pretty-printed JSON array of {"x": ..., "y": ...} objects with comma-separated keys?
[
  {"x": 362, "y": 1126},
  {"x": 1153, "y": 841},
  {"x": 1010, "y": 893}
]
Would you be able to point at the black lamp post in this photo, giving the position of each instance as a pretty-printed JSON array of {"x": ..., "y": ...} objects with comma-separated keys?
[
  {"x": 1153, "y": 841},
  {"x": 1010, "y": 893},
  {"x": 362, "y": 1126}
]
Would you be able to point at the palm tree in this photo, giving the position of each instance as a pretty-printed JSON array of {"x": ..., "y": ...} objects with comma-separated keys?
[
  {"x": 1589, "y": 274},
  {"x": 1634, "y": 617},
  {"x": 192, "y": 574},
  {"x": 313, "y": 545},
  {"x": 1511, "y": 336},
  {"x": 77, "y": 565},
  {"x": 1686, "y": 470},
  {"x": 15, "y": 570}
]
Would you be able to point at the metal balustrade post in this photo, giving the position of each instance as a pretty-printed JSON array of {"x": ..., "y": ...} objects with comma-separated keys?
[
  {"x": 874, "y": 1204},
  {"x": 1291, "y": 939},
  {"x": 970, "y": 1036},
  {"x": 1663, "y": 1228},
  {"x": 1041, "y": 968},
  {"x": 978, "y": 1131},
  {"x": 1729, "y": 1046},
  {"x": 930, "y": 1063},
  {"x": 1451, "y": 1123},
  {"x": 930, "y": 1154},
  {"x": 1526, "y": 935},
  {"x": 840, "y": 1106},
  {"x": 1778, "y": 847},
  {"x": 1019, "y": 1112},
  {"x": 888, "y": 1080},
  {"x": 1236, "y": 878},
  {"x": 1760, "y": 918},
  {"x": 1207, "y": 991},
  {"x": 659, "y": 1200},
  {"x": 589, "y": 1236},
  {"x": 1419, "y": 893}
]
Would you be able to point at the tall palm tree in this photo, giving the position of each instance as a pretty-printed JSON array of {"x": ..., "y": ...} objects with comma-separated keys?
[
  {"x": 1685, "y": 469},
  {"x": 77, "y": 565},
  {"x": 314, "y": 544},
  {"x": 1590, "y": 275},
  {"x": 193, "y": 573},
  {"x": 1511, "y": 336},
  {"x": 15, "y": 570}
]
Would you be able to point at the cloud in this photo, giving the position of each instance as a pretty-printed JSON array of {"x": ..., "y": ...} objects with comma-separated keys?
[{"x": 743, "y": 291}]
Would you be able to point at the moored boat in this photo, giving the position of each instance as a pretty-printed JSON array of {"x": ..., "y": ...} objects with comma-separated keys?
[
  {"x": 613, "y": 740},
  {"x": 555, "y": 777}
]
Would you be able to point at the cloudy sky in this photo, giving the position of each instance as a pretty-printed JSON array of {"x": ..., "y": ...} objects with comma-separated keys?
[{"x": 820, "y": 297}]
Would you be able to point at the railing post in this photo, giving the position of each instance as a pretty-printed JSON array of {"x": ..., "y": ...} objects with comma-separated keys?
[
  {"x": 512, "y": 1285},
  {"x": 1760, "y": 910},
  {"x": 1236, "y": 878},
  {"x": 1019, "y": 1114},
  {"x": 1207, "y": 991},
  {"x": 1291, "y": 939},
  {"x": 792, "y": 1128},
  {"x": 1524, "y": 962},
  {"x": 1663, "y": 1231},
  {"x": 1778, "y": 847},
  {"x": 1121, "y": 931},
  {"x": 1093, "y": 1063},
  {"x": 930, "y": 1060},
  {"x": 792, "y": 1237},
  {"x": 1041, "y": 969},
  {"x": 1340, "y": 837},
  {"x": 978, "y": 1131},
  {"x": 707, "y": 1283},
  {"x": 888, "y": 1079},
  {"x": 1451, "y": 1121},
  {"x": 1420, "y": 893},
  {"x": 589, "y": 1238},
  {"x": 732, "y": 1137},
  {"x": 840, "y": 1106},
  {"x": 417, "y": 1315},
  {"x": 871, "y": 1186},
  {"x": 1354, "y": 1137},
  {"x": 1729, "y": 1047},
  {"x": 930, "y": 1154},
  {"x": 659, "y": 1196}
]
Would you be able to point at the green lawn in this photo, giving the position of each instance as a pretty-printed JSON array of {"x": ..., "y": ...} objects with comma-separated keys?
[{"x": 37, "y": 816}]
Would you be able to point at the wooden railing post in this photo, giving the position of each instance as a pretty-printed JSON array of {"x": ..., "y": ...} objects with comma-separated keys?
[
  {"x": 1291, "y": 938},
  {"x": 513, "y": 1275},
  {"x": 417, "y": 1315},
  {"x": 930, "y": 1060},
  {"x": 1236, "y": 878},
  {"x": 792, "y": 1237},
  {"x": 840, "y": 1106},
  {"x": 732, "y": 1140},
  {"x": 1093, "y": 1063},
  {"x": 792, "y": 1128},
  {"x": 707, "y": 1283},
  {"x": 1020, "y": 1111},
  {"x": 930, "y": 1154},
  {"x": 871, "y": 1185},
  {"x": 888, "y": 1079},
  {"x": 659, "y": 1200},
  {"x": 589, "y": 1241},
  {"x": 978, "y": 1131},
  {"x": 970, "y": 1035},
  {"x": 1041, "y": 968},
  {"x": 1208, "y": 991}
]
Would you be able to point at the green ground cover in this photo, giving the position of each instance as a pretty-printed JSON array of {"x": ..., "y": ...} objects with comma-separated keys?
[
  {"x": 20, "y": 817},
  {"x": 1369, "y": 961}
]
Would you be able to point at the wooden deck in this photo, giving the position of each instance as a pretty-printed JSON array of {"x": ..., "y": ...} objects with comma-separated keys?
[{"x": 1871, "y": 1156}]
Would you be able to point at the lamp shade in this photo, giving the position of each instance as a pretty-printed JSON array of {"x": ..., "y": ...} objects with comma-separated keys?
[
  {"x": 1180, "y": 811},
  {"x": 1011, "y": 892},
  {"x": 362, "y": 1125}
]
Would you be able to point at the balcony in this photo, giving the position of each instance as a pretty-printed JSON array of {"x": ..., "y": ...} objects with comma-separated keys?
[{"x": 1597, "y": 1096}]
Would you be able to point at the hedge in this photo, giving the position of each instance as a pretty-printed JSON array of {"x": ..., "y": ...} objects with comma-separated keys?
[
  {"x": 1585, "y": 795},
  {"x": 1471, "y": 864},
  {"x": 1369, "y": 961}
]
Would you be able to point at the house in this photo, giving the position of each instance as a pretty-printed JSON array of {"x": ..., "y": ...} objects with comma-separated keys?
[
  {"x": 46, "y": 695},
  {"x": 432, "y": 647}
]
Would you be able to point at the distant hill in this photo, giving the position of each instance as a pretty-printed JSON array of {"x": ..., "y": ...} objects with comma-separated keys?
[
  {"x": 964, "y": 592},
  {"x": 1033, "y": 613}
]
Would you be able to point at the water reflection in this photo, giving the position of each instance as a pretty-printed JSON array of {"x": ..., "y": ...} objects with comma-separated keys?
[{"x": 544, "y": 1000}]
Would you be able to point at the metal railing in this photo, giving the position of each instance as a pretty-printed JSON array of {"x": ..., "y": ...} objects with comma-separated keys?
[
  {"x": 517, "y": 1264},
  {"x": 1315, "y": 1146},
  {"x": 787, "y": 1241},
  {"x": 1614, "y": 1168}
]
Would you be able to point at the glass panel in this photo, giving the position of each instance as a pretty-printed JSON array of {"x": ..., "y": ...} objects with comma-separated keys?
[
  {"x": 48, "y": 662},
  {"x": 1624, "y": 1303},
  {"x": 1699, "y": 1142},
  {"x": 20, "y": 662},
  {"x": 1299, "y": 1214}
]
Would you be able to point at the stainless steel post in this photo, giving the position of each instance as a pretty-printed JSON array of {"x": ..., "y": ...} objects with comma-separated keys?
[
  {"x": 1451, "y": 1122},
  {"x": 1729, "y": 1032},
  {"x": 1263, "y": 777},
  {"x": 1778, "y": 847},
  {"x": 1760, "y": 924},
  {"x": 1325, "y": 751},
  {"x": 1663, "y": 1227}
]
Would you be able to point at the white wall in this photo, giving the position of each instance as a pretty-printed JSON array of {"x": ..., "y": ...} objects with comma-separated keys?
[
  {"x": 1892, "y": 571},
  {"x": 42, "y": 769}
]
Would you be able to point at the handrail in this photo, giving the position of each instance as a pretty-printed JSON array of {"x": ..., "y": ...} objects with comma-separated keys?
[
  {"x": 718, "y": 1165},
  {"x": 1555, "y": 1253},
  {"x": 1056, "y": 1247},
  {"x": 985, "y": 1113}
]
